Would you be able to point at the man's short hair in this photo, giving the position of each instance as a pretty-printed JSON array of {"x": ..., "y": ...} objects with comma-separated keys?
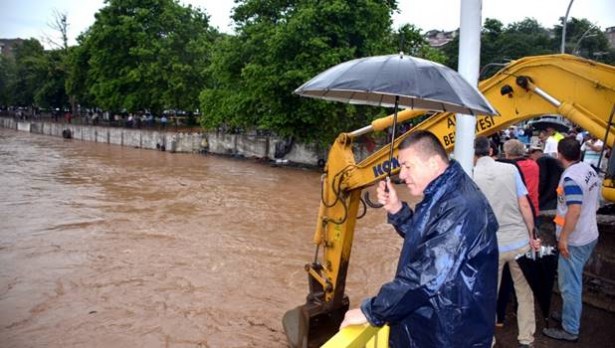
[
  {"x": 514, "y": 147},
  {"x": 570, "y": 149},
  {"x": 494, "y": 148},
  {"x": 427, "y": 144},
  {"x": 533, "y": 150},
  {"x": 481, "y": 146}
]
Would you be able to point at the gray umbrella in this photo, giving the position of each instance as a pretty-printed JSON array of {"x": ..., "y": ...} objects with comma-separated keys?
[
  {"x": 398, "y": 81},
  {"x": 377, "y": 81},
  {"x": 543, "y": 124}
]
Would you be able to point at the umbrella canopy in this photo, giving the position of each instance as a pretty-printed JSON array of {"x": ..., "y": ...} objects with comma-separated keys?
[
  {"x": 380, "y": 80},
  {"x": 549, "y": 123},
  {"x": 540, "y": 275}
]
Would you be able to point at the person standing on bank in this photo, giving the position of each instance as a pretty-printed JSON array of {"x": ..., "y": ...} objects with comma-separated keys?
[
  {"x": 592, "y": 153},
  {"x": 514, "y": 152},
  {"x": 444, "y": 290},
  {"x": 502, "y": 185},
  {"x": 576, "y": 229}
]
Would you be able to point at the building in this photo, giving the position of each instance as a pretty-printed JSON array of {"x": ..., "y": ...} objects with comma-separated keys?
[
  {"x": 610, "y": 35},
  {"x": 438, "y": 38},
  {"x": 8, "y": 45}
]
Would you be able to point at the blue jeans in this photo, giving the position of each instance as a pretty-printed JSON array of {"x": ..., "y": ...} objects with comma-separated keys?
[{"x": 570, "y": 281}]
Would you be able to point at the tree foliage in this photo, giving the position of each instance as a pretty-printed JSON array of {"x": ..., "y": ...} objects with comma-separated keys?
[
  {"x": 500, "y": 44},
  {"x": 30, "y": 71},
  {"x": 77, "y": 83},
  {"x": 145, "y": 54},
  {"x": 36, "y": 76},
  {"x": 280, "y": 45},
  {"x": 586, "y": 39},
  {"x": 6, "y": 77},
  {"x": 50, "y": 90}
]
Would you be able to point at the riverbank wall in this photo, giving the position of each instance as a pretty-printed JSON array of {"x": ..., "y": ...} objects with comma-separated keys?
[{"x": 243, "y": 145}]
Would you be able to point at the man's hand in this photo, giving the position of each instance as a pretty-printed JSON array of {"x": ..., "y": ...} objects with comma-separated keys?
[
  {"x": 353, "y": 317},
  {"x": 535, "y": 243},
  {"x": 562, "y": 245},
  {"x": 391, "y": 202}
]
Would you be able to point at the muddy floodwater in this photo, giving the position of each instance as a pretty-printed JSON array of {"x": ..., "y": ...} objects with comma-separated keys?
[{"x": 108, "y": 246}]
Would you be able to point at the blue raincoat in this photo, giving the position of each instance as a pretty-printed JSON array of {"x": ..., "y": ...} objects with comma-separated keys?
[{"x": 445, "y": 288}]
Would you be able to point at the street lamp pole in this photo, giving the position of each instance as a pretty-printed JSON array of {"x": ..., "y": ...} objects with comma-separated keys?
[
  {"x": 585, "y": 35},
  {"x": 563, "y": 50}
]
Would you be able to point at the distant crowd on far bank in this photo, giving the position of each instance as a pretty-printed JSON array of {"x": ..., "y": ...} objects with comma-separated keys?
[{"x": 97, "y": 117}]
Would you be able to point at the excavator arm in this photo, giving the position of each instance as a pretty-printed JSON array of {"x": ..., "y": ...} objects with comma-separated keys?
[{"x": 579, "y": 89}]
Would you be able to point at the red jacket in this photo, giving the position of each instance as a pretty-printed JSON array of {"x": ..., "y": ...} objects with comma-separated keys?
[{"x": 531, "y": 174}]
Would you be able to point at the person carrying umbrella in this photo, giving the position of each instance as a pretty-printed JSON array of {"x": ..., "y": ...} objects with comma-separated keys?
[
  {"x": 431, "y": 301},
  {"x": 444, "y": 290},
  {"x": 502, "y": 185}
]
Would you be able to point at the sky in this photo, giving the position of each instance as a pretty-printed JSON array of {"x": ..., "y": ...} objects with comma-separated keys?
[{"x": 31, "y": 18}]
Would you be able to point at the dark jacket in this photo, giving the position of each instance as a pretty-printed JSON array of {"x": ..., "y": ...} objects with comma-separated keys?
[
  {"x": 550, "y": 172},
  {"x": 444, "y": 291}
]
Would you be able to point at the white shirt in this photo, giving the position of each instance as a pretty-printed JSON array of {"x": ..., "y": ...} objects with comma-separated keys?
[
  {"x": 592, "y": 157},
  {"x": 551, "y": 147}
]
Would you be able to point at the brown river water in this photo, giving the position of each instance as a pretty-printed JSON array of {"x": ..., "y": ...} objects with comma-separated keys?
[{"x": 108, "y": 246}]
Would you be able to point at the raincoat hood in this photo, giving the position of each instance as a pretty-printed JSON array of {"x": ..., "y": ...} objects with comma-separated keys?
[{"x": 445, "y": 287}]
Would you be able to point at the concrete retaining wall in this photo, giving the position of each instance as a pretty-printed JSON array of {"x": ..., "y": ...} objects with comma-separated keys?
[{"x": 246, "y": 145}]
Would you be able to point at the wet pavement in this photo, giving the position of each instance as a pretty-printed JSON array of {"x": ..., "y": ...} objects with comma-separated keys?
[{"x": 596, "y": 329}]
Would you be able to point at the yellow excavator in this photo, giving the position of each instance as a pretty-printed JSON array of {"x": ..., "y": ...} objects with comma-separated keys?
[{"x": 580, "y": 90}]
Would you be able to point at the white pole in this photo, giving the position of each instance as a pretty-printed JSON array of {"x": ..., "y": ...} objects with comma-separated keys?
[
  {"x": 469, "y": 61},
  {"x": 563, "y": 48}
]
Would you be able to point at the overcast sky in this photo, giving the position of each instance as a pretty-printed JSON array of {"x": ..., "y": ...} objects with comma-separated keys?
[{"x": 31, "y": 18}]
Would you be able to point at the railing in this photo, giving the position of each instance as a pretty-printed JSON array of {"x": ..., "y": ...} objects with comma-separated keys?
[{"x": 360, "y": 336}]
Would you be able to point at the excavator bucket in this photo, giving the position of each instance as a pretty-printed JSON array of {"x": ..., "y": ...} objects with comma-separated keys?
[{"x": 311, "y": 325}]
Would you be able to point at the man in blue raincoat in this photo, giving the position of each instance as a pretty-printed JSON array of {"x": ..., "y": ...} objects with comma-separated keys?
[{"x": 444, "y": 290}]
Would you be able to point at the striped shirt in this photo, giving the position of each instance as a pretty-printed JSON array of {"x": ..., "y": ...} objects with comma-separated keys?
[{"x": 573, "y": 194}]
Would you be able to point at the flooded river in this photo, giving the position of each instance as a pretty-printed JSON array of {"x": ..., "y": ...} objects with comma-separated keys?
[{"x": 108, "y": 246}]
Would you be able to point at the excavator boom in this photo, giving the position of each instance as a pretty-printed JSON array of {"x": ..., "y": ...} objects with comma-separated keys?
[{"x": 581, "y": 90}]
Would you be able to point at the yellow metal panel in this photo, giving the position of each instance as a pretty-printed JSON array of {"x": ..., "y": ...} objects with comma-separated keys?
[{"x": 359, "y": 336}]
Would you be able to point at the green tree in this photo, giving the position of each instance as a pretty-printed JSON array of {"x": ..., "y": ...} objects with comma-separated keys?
[
  {"x": 501, "y": 44},
  {"x": 78, "y": 67},
  {"x": 145, "y": 54},
  {"x": 280, "y": 45},
  {"x": 6, "y": 77},
  {"x": 50, "y": 91},
  {"x": 53, "y": 92},
  {"x": 30, "y": 72},
  {"x": 587, "y": 40}
]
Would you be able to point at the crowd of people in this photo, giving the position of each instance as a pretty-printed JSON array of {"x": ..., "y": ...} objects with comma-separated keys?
[
  {"x": 139, "y": 120},
  {"x": 128, "y": 120},
  {"x": 468, "y": 232}
]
